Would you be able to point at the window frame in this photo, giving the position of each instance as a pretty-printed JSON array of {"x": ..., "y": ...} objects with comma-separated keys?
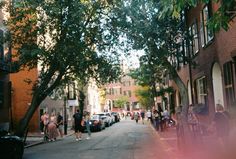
[
  {"x": 201, "y": 90},
  {"x": 228, "y": 74},
  {"x": 206, "y": 34}
]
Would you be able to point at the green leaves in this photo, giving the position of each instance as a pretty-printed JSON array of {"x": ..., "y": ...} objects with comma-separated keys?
[
  {"x": 221, "y": 18},
  {"x": 65, "y": 35},
  {"x": 121, "y": 101}
]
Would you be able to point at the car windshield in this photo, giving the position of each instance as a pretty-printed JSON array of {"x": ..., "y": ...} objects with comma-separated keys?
[
  {"x": 100, "y": 114},
  {"x": 95, "y": 117}
]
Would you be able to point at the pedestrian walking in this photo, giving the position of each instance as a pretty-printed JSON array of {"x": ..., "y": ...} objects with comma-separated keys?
[
  {"x": 60, "y": 124},
  {"x": 52, "y": 128},
  {"x": 192, "y": 120},
  {"x": 166, "y": 118},
  {"x": 221, "y": 124},
  {"x": 156, "y": 120},
  {"x": 45, "y": 121},
  {"x": 41, "y": 123},
  {"x": 142, "y": 115},
  {"x": 136, "y": 116},
  {"x": 77, "y": 125},
  {"x": 88, "y": 122},
  {"x": 161, "y": 119},
  {"x": 149, "y": 116}
]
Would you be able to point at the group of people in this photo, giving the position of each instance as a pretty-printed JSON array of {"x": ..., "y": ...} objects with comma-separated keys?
[
  {"x": 158, "y": 118},
  {"x": 220, "y": 124},
  {"x": 52, "y": 126},
  {"x": 79, "y": 122}
]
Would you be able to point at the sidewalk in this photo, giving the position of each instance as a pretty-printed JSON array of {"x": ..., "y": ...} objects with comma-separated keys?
[
  {"x": 168, "y": 140},
  {"x": 206, "y": 148},
  {"x": 33, "y": 139}
]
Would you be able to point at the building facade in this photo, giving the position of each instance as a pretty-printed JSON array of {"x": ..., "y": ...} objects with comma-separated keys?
[
  {"x": 124, "y": 88},
  {"x": 211, "y": 80}
]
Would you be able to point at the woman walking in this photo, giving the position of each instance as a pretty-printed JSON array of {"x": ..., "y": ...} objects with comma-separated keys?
[
  {"x": 52, "y": 128},
  {"x": 87, "y": 122}
]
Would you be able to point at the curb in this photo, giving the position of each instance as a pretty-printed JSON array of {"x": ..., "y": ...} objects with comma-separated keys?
[
  {"x": 34, "y": 144},
  {"x": 44, "y": 142}
]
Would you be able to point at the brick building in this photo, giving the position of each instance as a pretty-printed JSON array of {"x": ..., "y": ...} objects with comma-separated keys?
[
  {"x": 212, "y": 79},
  {"x": 125, "y": 87},
  {"x": 22, "y": 95},
  {"x": 15, "y": 93}
]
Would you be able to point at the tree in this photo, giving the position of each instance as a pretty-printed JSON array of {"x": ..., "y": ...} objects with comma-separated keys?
[
  {"x": 221, "y": 18},
  {"x": 70, "y": 39},
  {"x": 153, "y": 27},
  {"x": 144, "y": 97},
  {"x": 149, "y": 74},
  {"x": 121, "y": 101},
  {"x": 159, "y": 38}
]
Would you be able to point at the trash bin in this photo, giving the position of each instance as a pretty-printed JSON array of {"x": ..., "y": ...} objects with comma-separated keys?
[{"x": 11, "y": 147}]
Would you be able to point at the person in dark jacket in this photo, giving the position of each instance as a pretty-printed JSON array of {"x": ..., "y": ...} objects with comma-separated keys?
[
  {"x": 77, "y": 125},
  {"x": 221, "y": 123}
]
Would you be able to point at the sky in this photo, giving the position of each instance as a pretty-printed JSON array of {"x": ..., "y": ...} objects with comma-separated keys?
[{"x": 133, "y": 59}]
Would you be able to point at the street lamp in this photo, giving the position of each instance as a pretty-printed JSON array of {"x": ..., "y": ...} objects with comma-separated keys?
[
  {"x": 69, "y": 95},
  {"x": 65, "y": 116}
]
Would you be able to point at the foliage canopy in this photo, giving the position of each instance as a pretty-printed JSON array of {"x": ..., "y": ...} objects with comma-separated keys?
[{"x": 68, "y": 39}]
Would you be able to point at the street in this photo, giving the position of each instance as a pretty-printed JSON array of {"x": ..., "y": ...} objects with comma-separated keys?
[{"x": 123, "y": 140}]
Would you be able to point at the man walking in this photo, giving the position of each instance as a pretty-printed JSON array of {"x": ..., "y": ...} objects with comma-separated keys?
[
  {"x": 142, "y": 116},
  {"x": 149, "y": 116},
  {"x": 78, "y": 127}
]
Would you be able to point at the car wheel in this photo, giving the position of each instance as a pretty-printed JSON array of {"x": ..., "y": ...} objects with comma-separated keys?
[{"x": 100, "y": 128}]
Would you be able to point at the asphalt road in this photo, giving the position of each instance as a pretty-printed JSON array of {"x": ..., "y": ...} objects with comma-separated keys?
[{"x": 123, "y": 140}]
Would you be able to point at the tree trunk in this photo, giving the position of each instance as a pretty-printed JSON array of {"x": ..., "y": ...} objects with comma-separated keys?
[
  {"x": 81, "y": 102},
  {"x": 39, "y": 94},
  {"x": 184, "y": 134},
  {"x": 183, "y": 130},
  {"x": 23, "y": 124}
]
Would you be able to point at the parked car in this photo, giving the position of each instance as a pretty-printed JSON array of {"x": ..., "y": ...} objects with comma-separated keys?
[
  {"x": 111, "y": 116},
  {"x": 116, "y": 115},
  {"x": 11, "y": 147},
  {"x": 97, "y": 123},
  {"x": 107, "y": 118}
]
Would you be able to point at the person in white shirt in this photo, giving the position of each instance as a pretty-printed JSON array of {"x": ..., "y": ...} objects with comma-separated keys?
[{"x": 149, "y": 115}]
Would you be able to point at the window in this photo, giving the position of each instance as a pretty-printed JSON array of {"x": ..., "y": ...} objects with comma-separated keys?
[
  {"x": 129, "y": 93},
  {"x": 112, "y": 91},
  {"x": 228, "y": 82},
  {"x": 185, "y": 53},
  {"x": 193, "y": 32},
  {"x": 180, "y": 54},
  {"x": 201, "y": 90},
  {"x": 71, "y": 91},
  {"x": 206, "y": 33},
  {"x": 115, "y": 91}
]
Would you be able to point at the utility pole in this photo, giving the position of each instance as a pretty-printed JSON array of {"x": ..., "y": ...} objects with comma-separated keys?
[{"x": 65, "y": 116}]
